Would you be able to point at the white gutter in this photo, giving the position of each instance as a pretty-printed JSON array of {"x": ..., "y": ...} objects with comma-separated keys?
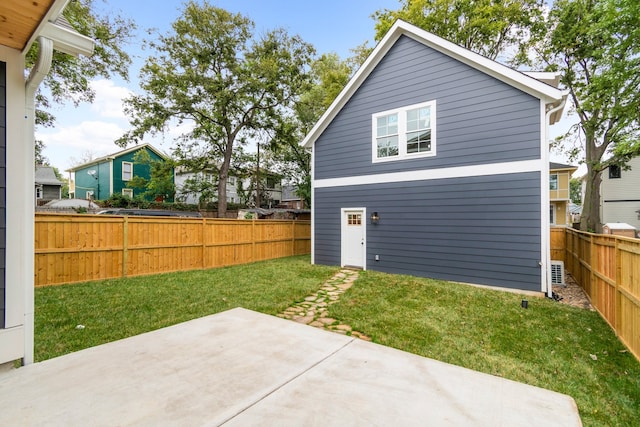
[
  {"x": 36, "y": 76},
  {"x": 546, "y": 262}
]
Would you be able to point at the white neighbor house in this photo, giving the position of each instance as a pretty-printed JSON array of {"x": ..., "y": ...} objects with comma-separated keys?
[
  {"x": 620, "y": 194},
  {"x": 273, "y": 190}
]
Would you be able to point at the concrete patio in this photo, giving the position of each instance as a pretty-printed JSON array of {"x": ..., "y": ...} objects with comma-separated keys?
[{"x": 245, "y": 368}]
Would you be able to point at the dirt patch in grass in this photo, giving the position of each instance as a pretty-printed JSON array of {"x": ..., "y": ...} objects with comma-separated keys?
[{"x": 572, "y": 294}]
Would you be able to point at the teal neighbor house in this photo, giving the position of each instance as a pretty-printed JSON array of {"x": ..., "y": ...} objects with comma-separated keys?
[{"x": 111, "y": 174}]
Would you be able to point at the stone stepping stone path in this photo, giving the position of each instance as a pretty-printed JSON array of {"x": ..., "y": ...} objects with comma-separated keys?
[{"x": 313, "y": 311}]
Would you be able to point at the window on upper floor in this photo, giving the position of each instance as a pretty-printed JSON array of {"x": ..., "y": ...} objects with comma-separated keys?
[
  {"x": 553, "y": 181},
  {"x": 614, "y": 172},
  {"x": 127, "y": 171},
  {"x": 404, "y": 133},
  {"x": 39, "y": 192}
]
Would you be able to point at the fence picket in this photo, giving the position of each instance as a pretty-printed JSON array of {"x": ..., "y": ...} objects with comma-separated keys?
[
  {"x": 77, "y": 248},
  {"x": 607, "y": 267}
]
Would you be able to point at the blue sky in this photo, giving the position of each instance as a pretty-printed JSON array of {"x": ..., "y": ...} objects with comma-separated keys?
[{"x": 329, "y": 25}]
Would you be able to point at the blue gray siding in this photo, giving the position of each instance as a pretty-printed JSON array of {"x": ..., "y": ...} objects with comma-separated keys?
[
  {"x": 3, "y": 186},
  {"x": 483, "y": 230},
  {"x": 479, "y": 119}
]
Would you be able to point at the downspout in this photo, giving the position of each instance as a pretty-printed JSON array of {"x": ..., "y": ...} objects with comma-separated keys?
[
  {"x": 36, "y": 76},
  {"x": 547, "y": 261}
]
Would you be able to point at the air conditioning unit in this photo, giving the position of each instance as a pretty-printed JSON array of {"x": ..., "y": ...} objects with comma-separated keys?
[{"x": 557, "y": 273}]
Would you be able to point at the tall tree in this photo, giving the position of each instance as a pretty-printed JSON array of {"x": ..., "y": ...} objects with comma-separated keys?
[
  {"x": 211, "y": 71},
  {"x": 160, "y": 184},
  {"x": 595, "y": 44},
  {"x": 70, "y": 76},
  {"x": 329, "y": 74},
  {"x": 488, "y": 27}
]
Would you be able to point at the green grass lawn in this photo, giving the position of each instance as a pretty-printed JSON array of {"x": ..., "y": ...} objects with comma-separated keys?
[
  {"x": 113, "y": 309},
  {"x": 549, "y": 345}
]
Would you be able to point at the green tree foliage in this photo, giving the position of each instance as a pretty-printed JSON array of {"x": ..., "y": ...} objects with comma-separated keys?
[
  {"x": 595, "y": 45},
  {"x": 329, "y": 76},
  {"x": 69, "y": 77},
  {"x": 575, "y": 191},
  {"x": 488, "y": 27},
  {"x": 160, "y": 183},
  {"x": 211, "y": 72}
]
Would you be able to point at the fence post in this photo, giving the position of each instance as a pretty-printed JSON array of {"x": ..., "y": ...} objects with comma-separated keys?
[
  {"x": 618, "y": 297},
  {"x": 293, "y": 237},
  {"x": 592, "y": 270},
  {"x": 204, "y": 242},
  {"x": 125, "y": 246},
  {"x": 253, "y": 239}
]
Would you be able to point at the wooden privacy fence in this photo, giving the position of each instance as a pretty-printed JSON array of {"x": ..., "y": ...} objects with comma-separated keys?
[
  {"x": 76, "y": 248},
  {"x": 608, "y": 269}
]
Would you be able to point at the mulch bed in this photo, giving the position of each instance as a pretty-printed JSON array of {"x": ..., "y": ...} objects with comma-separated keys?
[{"x": 571, "y": 294}]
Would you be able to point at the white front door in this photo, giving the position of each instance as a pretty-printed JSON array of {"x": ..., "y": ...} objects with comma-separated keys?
[{"x": 353, "y": 237}]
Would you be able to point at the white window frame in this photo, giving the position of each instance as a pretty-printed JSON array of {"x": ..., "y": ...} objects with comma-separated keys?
[
  {"x": 552, "y": 213},
  {"x": 39, "y": 191},
  {"x": 123, "y": 173},
  {"x": 402, "y": 133},
  {"x": 556, "y": 180},
  {"x": 127, "y": 192}
]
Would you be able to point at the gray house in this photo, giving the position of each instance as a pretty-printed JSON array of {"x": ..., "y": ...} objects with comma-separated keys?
[
  {"x": 47, "y": 184},
  {"x": 433, "y": 161}
]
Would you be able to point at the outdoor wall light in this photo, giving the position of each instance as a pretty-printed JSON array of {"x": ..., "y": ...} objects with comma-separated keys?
[{"x": 375, "y": 218}]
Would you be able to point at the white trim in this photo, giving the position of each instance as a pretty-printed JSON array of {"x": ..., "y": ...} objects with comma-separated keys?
[
  {"x": 431, "y": 174},
  {"x": 313, "y": 205},
  {"x": 67, "y": 41},
  {"x": 545, "y": 201},
  {"x": 343, "y": 227},
  {"x": 402, "y": 133},
  {"x": 501, "y": 72},
  {"x": 52, "y": 14},
  {"x": 124, "y": 162},
  {"x": 110, "y": 176},
  {"x": 11, "y": 344}
]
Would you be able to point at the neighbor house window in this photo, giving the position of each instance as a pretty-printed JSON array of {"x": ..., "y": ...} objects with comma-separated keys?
[
  {"x": 404, "y": 133},
  {"x": 614, "y": 172},
  {"x": 553, "y": 181},
  {"x": 39, "y": 192},
  {"x": 127, "y": 171},
  {"x": 127, "y": 192}
]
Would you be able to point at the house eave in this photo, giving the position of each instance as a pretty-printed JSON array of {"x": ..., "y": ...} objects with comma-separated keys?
[
  {"x": 526, "y": 83},
  {"x": 118, "y": 154},
  {"x": 67, "y": 41}
]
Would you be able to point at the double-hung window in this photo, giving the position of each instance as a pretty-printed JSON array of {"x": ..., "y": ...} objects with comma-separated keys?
[
  {"x": 405, "y": 133},
  {"x": 127, "y": 171}
]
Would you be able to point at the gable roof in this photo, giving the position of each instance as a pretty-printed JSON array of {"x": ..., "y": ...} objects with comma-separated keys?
[
  {"x": 527, "y": 82},
  {"x": 560, "y": 166},
  {"x": 46, "y": 176},
  {"x": 118, "y": 154}
]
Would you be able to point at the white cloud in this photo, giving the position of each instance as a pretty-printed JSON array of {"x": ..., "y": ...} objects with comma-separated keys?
[
  {"x": 108, "y": 100},
  {"x": 67, "y": 142}
]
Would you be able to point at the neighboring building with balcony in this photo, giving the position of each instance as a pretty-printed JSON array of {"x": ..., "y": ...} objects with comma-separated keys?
[
  {"x": 559, "y": 193},
  {"x": 191, "y": 186}
]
